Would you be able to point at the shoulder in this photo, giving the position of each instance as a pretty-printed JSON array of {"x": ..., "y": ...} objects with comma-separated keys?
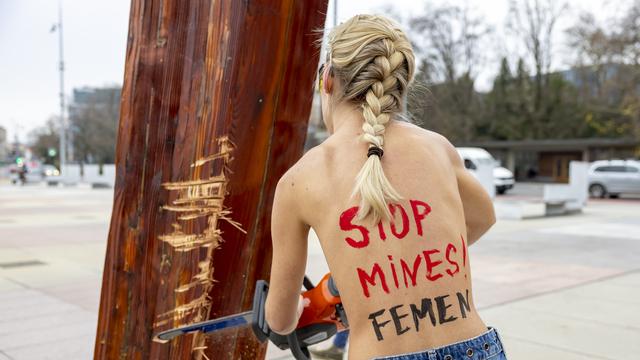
[
  {"x": 298, "y": 184},
  {"x": 306, "y": 167},
  {"x": 436, "y": 140},
  {"x": 300, "y": 188}
]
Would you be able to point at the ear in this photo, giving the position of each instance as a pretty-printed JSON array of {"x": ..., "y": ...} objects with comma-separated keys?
[{"x": 327, "y": 80}]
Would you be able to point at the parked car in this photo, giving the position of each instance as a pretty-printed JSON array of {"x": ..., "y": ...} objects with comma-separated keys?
[
  {"x": 614, "y": 177},
  {"x": 502, "y": 177}
]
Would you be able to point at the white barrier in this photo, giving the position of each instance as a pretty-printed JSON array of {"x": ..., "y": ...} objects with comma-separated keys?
[
  {"x": 518, "y": 210},
  {"x": 90, "y": 174},
  {"x": 71, "y": 174},
  {"x": 557, "y": 199},
  {"x": 562, "y": 198}
]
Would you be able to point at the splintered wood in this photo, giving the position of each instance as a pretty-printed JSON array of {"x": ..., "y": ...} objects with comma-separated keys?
[{"x": 202, "y": 198}]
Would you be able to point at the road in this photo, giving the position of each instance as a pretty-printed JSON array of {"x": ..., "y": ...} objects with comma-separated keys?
[{"x": 558, "y": 288}]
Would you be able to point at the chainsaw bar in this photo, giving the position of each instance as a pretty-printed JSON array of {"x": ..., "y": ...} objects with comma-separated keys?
[{"x": 206, "y": 326}]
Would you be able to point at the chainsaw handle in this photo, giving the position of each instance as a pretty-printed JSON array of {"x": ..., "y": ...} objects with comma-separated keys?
[
  {"x": 300, "y": 353},
  {"x": 322, "y": 303},
  {"x": 319, "y": 321}
]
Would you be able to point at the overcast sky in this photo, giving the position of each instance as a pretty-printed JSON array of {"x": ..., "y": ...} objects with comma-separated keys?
[{"x": 95, "y": 35}]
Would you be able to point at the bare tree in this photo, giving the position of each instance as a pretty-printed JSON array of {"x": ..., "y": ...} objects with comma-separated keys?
[
  {"x": 628, "y": 39},
  {"x": 44, "y": 138},
  {"x": 628, "y": 35},
  {"x": 608, "y": 67},
  {"x": 534, "y": 23},
  {"x": 448, "y": 40},
  {"x": 594, "y": 51},
  {"x": 94, "y": 122}
]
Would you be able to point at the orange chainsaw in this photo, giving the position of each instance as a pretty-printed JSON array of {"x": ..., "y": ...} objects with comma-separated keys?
[{"x": 321, "y": 319}]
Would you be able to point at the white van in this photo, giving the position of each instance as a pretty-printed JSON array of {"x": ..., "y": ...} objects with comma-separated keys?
[{"x": 472, "y": 157}]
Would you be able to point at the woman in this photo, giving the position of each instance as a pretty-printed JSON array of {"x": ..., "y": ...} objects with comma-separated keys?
[{"x": 394, "y": 209}]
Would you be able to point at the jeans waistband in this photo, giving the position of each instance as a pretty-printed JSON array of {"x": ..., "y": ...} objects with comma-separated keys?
[{"x": 483, "y": 346}]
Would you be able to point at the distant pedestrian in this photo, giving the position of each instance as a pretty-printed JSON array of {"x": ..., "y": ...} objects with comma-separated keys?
[{"x": 22, "y": 173}]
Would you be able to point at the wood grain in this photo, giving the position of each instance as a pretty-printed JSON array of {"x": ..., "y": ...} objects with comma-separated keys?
[{"x": 197, "y": 71}]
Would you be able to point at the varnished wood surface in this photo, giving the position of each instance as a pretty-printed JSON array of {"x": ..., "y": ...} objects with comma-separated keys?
[{"x": 197, "y": 71}]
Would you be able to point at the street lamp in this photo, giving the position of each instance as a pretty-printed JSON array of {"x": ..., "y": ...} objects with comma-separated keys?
[{"x": 63, "y": 127}]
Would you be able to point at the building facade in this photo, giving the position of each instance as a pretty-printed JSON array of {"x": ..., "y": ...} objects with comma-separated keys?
[{"x": 548, "y": 160}]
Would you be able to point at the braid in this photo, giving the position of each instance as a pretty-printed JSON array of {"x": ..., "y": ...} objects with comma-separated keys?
[
  {"x": 383, "y": 96},
  {"x": 375, "y": 61},
  {"x": 382, "y": 99}
]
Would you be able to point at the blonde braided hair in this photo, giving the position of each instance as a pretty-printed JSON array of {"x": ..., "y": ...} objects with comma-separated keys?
[{"x": 373, "y": 59}]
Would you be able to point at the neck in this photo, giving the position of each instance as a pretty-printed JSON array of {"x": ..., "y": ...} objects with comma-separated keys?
[{"x": 347, "y": 119}]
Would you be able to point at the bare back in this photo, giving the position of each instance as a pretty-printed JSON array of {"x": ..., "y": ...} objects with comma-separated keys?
[{"x": 405, "y": 285}]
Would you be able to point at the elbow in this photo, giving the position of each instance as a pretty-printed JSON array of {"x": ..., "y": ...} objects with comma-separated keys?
[
  {"x": 491, "y": 218},
  {"x": 279, "y": 325},
  {"x": 277, "y": 322},
  {"x": 488, "y": 220},
  {"x": 479, "y": 227}
]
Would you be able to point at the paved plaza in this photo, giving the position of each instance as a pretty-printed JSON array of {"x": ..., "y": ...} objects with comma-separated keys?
[{"x": 557, "y": 288}]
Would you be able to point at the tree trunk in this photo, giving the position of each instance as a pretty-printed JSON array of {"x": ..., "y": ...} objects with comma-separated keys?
[{"x": 214, "y": 110}]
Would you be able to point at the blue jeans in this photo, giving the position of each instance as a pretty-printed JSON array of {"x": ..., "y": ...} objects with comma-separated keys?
[
  {"x": 340, "y": 340},
  {"x": 485, "y": 346}
]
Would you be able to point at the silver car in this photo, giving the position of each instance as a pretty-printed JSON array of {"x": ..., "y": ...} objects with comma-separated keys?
[{"x": 614, "y": 177}]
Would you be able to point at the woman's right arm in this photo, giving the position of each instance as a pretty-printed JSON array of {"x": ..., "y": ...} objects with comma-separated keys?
[{"x": 478, "y": 207}]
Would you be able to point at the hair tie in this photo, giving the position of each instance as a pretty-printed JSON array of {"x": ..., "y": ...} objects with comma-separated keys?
[{"x": 374, "y": 150}]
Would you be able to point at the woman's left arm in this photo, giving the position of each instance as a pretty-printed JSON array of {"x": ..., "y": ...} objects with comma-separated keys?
[{"x": 289, "y": 237}]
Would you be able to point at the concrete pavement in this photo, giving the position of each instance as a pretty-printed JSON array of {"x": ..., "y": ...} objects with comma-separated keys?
[
  {"x": 596, "y": 320},
  {"x": 52, "y": 246},
  {"x": 557, "y": 288}
]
